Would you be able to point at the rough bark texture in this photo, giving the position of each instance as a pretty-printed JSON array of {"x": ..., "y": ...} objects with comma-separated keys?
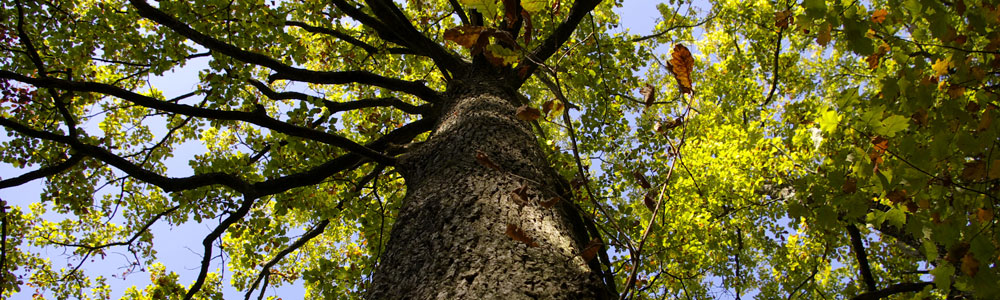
[{"x": 449, "y": 239}]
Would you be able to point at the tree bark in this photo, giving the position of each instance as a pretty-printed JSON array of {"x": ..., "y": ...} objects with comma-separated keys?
[{"x": 451, "y": 241}]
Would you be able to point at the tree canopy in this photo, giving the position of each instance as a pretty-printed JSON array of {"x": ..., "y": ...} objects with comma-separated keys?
[{"x": 771, "y": 149}]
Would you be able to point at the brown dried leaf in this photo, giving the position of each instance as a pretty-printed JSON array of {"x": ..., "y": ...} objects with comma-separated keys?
[
  {"x": 986, "y": 120},
  {"x": 641, "y": 179},
  {"x": 485, "y": 160},
  {"x": 782, "y": 18},
  {"x": 974, "y": 170},
  {"x": 994, "y": 171},
  {"x": 970, "y": 265},
  {"x": 520, "y": 195},
  {"x": 649, "y": 202},
  {"x": 648, "y": 94},
  {"x": 590, "y": 251},
  {"x": 824, "y": 36},
  {"x": 896, "y": 196},
  {"x": 880, "y": 144},
  {"x": 984, "y": 214},
  {"x": 550, "y": 203},
  {"x": 466, "y": 36},
  {"x": 517, "y": 234},
  {"x": 850, "y": 186},
  {"x": 878, "y": 16},
  {"x": 528, "y": 113},
  {"x": 681, "y": 65}
]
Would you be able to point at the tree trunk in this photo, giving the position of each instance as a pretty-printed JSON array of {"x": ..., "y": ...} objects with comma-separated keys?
[{"x": 454, "y": 236}]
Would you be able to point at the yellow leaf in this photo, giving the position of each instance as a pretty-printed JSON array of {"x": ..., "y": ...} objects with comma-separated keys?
[
  {"x": 488, "y": 8},
  {"x": 534, "y": 6},
  {"x": 940, "y": 67}
]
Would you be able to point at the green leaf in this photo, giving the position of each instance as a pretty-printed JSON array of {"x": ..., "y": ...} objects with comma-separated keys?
[
  {"x": 896, "y": 217},
  {"x": 892, "y": 125}
]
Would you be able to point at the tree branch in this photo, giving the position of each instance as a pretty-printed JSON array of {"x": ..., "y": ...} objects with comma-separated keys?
[
  {"x": 42, "y": 172},
  {"x": 206, "y": 258},
  {"x": 552, "y": 43},
  {"x": 341, "y": 106},
  {"x": 894, "y": 289},
  {"x": 312, "y": 233},
  {"x": 337, "y": 34},
  {"x": 859, "y": 251},
  {"x": 257, "y": 118},
  {"x": 282, "y": 70}
]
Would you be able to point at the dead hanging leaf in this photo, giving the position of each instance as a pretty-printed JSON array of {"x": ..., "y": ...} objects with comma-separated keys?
[
  {"x": 824, "y": 36},
  {"x": 528, "y": 113},
  {"x": 465, "y": 36},
  {"x": 986, "y": 119},
  {"x": 878, "y": 16},
  {"x": 957, "y": 252},
  {"x": 648, "y": 94},
  {"x": 984, "y": 214},
  {"x": 552, "y": 108},
  {"x": 681, "y": 65},
  {"x": 782, "y": 18},
  {"x": 649, "y": 202},
  {"x": 873, "y": 60},
  {"x": 970, "y": 265},
  {"x": 850, "y": 186},
  {"x": 955, "y": 90},
  {"x": 517, "y": 234},
  {"x": 897, "y": 196},
  {"x": 510, "y": 14},
  {"x": 919, "y": 117},
  {"x": 528, "y": 27},
  {"x": 994, "y": 172},
  {"x": 590, "y": 251},
  {"x": 520, "y": 195},
  {"x": 880, "y": 146},
  {"x": 974, "y": 170},
  {"x": 550, "y": 203},
  {"x": 485, "y": 160},
  {"x": 641, "y": 179}
]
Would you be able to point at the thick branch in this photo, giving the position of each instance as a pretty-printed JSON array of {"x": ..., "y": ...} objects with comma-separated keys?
[
  {"x": 562, "y": 33},
  {"x": 399, "y": 24},
  {"x": 283, "y": 71},
  {"x": 862, "y": 256},
  {"x": 894, "y": 289},
  {"x": 257, "y": 118},
  {"x": 42, "y": 172}
]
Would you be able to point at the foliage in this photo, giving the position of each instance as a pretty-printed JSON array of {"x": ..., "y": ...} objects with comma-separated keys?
[{"x": 822, "y": 149}]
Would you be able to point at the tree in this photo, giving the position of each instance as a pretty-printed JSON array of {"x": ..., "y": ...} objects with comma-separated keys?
[{"x": 397, "y": 150}]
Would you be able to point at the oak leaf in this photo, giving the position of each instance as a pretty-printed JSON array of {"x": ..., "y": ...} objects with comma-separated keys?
[
  {"x": 824, "y": 36},
  {"x": 485, "y": 160},
  {"x": 528, "y": 113},
  {"x": 878, "y": 16},
  {"x": 970, "y": 265},
  {"x": 590, "y": 251},
  {"x": 641, "y": 179},
  {"x": 648, "y": 94},
  {"x": 681, "y": 65},
  {"x": 517, "y": 234}
]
